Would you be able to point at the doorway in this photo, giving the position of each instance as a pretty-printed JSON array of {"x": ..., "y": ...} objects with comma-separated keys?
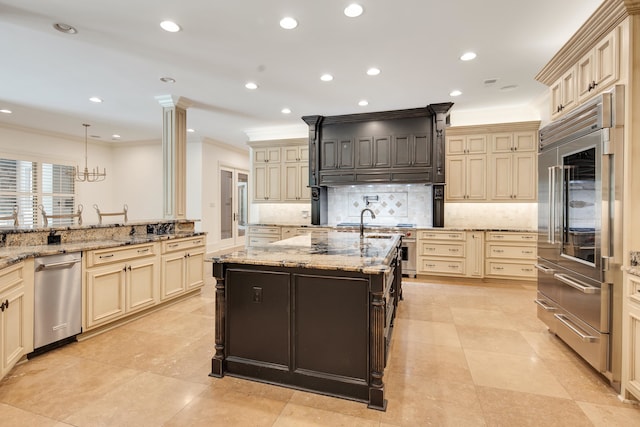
[{"x": 234, "y": 206}]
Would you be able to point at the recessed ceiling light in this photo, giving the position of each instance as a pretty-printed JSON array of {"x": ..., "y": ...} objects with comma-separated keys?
[
  {"x": 363, "y": 103},
  {"x": 490, "y": 81},
  {"x": 95, "y": 99},
  {"x": 508, "y": 88},
  {"x": 65, "y": 28},
  {"x": 167, "y": 80},
  {"x": 288, "y": 23},
  {"x": 326, "y": 77},
  {"x": 353, "y": 10},
  {"x": 170, "y": 26},
  {"x": 5, "y": 111},
  {"x": 455, "y": 93},
  {"x": 468, "y": 56},
  {"x": 286, "y": 111},
  {"x": 251, "y": 86},
  {"x": 115, "y": 136},
  {"x": 191, "y": 130},
  {"x": 373, "y": 71}
]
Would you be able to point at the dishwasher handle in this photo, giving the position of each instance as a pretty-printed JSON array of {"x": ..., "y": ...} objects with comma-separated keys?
[{"x": 71, "y": 263}]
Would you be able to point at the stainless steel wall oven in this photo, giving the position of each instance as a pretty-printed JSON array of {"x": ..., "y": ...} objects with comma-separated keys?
[{"x": 579, "y": 220}]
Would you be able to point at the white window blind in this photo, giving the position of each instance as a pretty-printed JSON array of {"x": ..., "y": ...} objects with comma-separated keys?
[{"x": 26, "y": 184}]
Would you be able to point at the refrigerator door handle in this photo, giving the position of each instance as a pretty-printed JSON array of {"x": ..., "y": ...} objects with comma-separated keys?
[
  {"x": 545, "y": 270},
  {"x": 607, "y": 208},
  {"x": 576, "y": 284},
  {"x": 552, "y": 205}
]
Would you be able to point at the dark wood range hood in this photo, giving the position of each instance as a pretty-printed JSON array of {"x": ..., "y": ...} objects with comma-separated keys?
[{"x": 399, "y": 147}]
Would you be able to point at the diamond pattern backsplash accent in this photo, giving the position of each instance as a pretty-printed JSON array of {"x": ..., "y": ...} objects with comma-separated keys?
[{"x": 396, "y": 203}]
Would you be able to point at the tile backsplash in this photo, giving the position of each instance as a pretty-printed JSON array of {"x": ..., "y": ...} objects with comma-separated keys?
[{"x": 392, "y": 204}]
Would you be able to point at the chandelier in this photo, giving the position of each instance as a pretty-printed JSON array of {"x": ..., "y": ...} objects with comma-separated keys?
[{"x": 85, "y": 176}]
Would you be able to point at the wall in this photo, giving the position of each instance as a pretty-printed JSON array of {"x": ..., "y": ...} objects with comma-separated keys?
[{"x": 40, "y": 146}]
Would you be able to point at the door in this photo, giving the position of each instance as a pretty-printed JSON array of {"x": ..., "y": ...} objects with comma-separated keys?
[
  {"x": 234, "y": 202},
  {"x": 581, "y": 202}
]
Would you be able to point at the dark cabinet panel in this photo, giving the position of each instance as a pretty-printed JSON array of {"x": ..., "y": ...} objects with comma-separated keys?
[
  {"x": 422, "y": 150},
  {"x": 364, "y": 148},
  {"x": 345, "y": 158},
  {"x": 336, "y": 154},
  {"x": 412, "y": 151},
  {"x": 373, "y": 152}
]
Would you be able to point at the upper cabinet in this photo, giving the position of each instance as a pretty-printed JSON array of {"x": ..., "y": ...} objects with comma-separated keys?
[
  {"x": 598, "y": 69},
  {"x": 280, "y": 171},
  {"x": 492, "y": 163},
  {"x": 564, "y": 95}
]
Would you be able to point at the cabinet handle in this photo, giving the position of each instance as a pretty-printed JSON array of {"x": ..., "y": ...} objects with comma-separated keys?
[
  {"x": 2, "y": 306},
  {"x": 141, "y": 251},
  {"x": 453, "y": 250},
  {"x": 197, "y": 242},
  {"x": 498, "y": 251},
  {"x": 527, "y": 252},
  {"x": 498, "y": 268},
  {"x": 173, "y": 245},
  {"x": 527, "y": 269},
  {"x": 106, "y": 256},
  {"x": 455, "y": 267}
]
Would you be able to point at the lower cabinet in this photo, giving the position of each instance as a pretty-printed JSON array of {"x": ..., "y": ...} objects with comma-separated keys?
[
  {"x": 263, "y": 234},
  {"x": 631, "y": 337},
  {"x": 500, "y": 255},
  {"x": 511, "y": 255},
  {"x": 16, "y": 315},
  {"x": 120, "y": 281},
  {"x": 182, "y": 266}
]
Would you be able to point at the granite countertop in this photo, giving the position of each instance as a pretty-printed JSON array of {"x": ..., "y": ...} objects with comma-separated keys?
[
  {"x": 418, "y": 227},
  {"x": 14, "y": 254},
  {"x": 325, "y": 250}
]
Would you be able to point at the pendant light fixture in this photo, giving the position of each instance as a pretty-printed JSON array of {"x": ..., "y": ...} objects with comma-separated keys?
[{"x": 85, "y": 176}]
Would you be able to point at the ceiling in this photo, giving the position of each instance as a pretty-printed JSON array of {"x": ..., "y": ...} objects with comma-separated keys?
[{"x": 120, "y": 53}]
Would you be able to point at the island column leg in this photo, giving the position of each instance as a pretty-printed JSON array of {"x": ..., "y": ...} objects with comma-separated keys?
[
  {"x": 217, "y": 362},
  {"x": 376, "y": 328}
]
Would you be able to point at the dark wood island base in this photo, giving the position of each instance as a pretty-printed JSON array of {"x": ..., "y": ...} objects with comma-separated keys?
[{"x": 310, "y": 324}]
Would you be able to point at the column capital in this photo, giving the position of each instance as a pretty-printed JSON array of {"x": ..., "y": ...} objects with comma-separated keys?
[{"x": 168, "y": 101}]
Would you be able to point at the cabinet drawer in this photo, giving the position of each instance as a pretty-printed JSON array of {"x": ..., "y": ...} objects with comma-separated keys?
[
  {"x": 441, "y": 235},
  {"x": 497, "y": 250},
  {"x": 509, "y": 269},
  {"x": 441, "y": 249},
  {"x": 264, "y": 230},
  {"x": 11, "y": 276},
  {"x": 633, "y": 289},
  {"x": 510, "y": 237},
  {"x": 107, "y": 256},
  {"x": 182, "y": 244},
  {"x": 441, "y": 266},
  {"x": 261, "y": 240}
]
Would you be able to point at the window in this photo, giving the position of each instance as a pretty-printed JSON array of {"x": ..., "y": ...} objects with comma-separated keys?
[{"x": 25, "y": 185}]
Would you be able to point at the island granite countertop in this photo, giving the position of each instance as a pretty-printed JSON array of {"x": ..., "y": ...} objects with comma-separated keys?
[{"x": 325, "y": 250}]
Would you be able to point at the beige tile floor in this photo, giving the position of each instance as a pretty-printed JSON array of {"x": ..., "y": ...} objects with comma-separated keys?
[{"x": 466, "y": 354}]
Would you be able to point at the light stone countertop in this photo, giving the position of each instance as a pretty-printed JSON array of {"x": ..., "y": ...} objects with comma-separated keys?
[
  {"x": 373, "y": 227},
  {"x": 14, "y": 254},
  {"x": 324, "y": 250}
]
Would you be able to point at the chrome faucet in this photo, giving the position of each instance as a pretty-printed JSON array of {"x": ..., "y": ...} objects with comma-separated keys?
[{"x": 373, "y": 216}]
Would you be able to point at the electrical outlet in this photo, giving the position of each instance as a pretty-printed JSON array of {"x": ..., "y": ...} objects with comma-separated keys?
[{"x": 257, "y": 294}]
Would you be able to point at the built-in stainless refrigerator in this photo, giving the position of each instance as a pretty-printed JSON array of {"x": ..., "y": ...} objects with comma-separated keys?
[{"x": 579, "y": 230}]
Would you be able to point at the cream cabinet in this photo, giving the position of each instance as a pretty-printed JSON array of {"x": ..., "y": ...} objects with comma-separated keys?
[
  {"x": 492, "y": 163},
  {"x": 631, "y": 337},
  {"x": 182, "y": 266},
  {"x": 564, "y": 96},
  {"x": 510, "y": 255},
  {"x": 599, "y": 68},
  {"x": 475, "y": 254},
  {"x": 280, "y": 171},
  {"x": 513, "y": 166},
  {"x": 441, "y": 252},
  {"x": 120, "y": 281},
  {"x": 16, "y": 315},
  {"x": 263, "y": 234}
]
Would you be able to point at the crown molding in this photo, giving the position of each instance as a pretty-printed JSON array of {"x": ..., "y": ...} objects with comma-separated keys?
[
  {"x": 608, "y": 16},
  {"x": 494, "y": 128}
]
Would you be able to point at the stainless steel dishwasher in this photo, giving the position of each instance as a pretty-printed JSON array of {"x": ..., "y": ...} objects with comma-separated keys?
[{"x": 58, "y": 300}]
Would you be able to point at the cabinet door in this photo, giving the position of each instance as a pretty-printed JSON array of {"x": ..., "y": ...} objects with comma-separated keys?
[
  {"x": 305, "y": 191},
  {"x": 585, "y": 76},
  {"x": 105, "y": 294},
  {"x": 402, "y": 150},
  {"x": 606, "y": 61},
  {"x": 290, "y": 154},
  {"x": 273, "y": 182},
  {"x": 475, "y": 254},
  {"x": 525, "y": 141},
  {"x": 476, "y": 177},
  {"x": 345, "y": 154},
  {"x": 501, "y": 173},
  {"x": 12, "y": 318},
  {"x": 364, "y": 150},
  {"x": 142, "y": 284},
  {"x": 525, "y": 176},
  {"x": 456, "y": 178},
  {"x": 172, "y": 273},
  {"x": 266, "y": 155},
  {"x": 502, "y": 143},
  {"x": 422, "y": 150},
  {"x": 260, "y": 182},
  {"x": 476, "y": 144},
  {"x": 194, "y": 269},
  {"x": 291, "y": 182},
  {"x": 382, "y": 152},
  {"x": 328, "y": 154},
  {"x": 456, "y": 145},
  {"x": 564, "y": 95}
]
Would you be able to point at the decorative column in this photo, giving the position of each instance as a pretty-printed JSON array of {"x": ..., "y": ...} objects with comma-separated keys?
[{"x": 174, "y": 155}]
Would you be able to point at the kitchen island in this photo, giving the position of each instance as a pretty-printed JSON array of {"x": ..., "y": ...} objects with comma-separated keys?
[{"x": 313, "y": 312}]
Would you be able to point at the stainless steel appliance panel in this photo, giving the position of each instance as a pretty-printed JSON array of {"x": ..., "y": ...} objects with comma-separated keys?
[
  {"x": 592, "y": 345},
  {"x": 57, "y": 293},
  {"x": 548, "y": 209},
  {"x": 409, "y": 256}
]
